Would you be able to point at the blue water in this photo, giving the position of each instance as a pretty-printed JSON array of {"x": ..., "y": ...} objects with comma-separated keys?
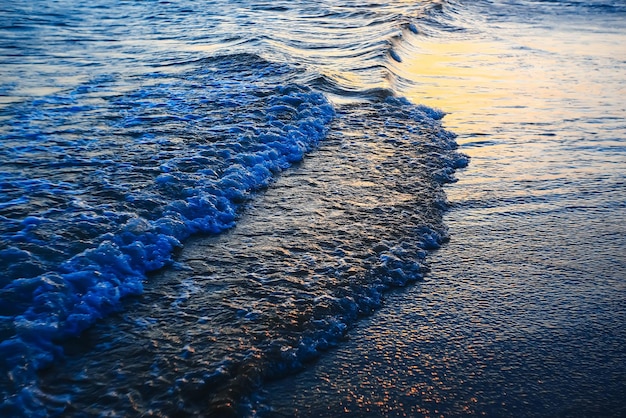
[{"x": 200, "y": 198}]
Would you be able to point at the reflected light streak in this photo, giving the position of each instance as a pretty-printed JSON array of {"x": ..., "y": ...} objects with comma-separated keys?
[
  {"x": 444, "y": 78},
  {"x": 503, "y": 94}
]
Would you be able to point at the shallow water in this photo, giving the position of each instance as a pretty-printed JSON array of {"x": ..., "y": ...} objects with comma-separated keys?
[
  {"x": 131, "y": 130},
  {"x": 202, "y": 198},
  {"x": 523, "y": 312}
]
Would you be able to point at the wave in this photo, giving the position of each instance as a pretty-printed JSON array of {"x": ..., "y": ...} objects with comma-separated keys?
[
  {"x": 105, "y": 177},
  {"x": 313, "y": 255},
  {"x": 85, "y": 223}
]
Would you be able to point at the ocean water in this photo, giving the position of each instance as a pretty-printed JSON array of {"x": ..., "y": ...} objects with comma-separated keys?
[
  {"x": 523, "y": 312},
  {"x": 245, "y": 209}
]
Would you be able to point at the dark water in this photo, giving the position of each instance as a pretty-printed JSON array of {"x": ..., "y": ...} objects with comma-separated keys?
[{"x": 203, "y": 204}]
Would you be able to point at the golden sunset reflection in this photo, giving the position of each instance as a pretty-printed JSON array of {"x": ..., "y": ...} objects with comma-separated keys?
[
  {"x": 487, "y": 86},
  {"x": 504, "y": 94},
  {"x": 465, "y": 77}
]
